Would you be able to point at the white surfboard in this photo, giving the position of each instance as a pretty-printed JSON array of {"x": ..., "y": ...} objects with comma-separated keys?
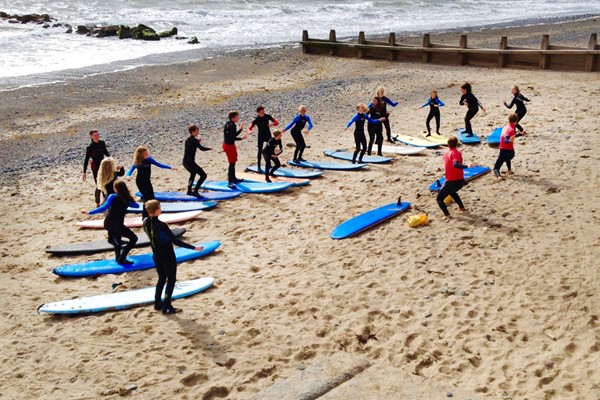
[
  {"x": 123, "y": 300},
  {"x": 402, "y": 150},
  {"x": 137, "y": 222}
]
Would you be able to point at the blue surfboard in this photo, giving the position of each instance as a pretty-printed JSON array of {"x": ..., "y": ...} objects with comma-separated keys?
[
  {"x": 249, "y": 187},
  {"x": 179, "y": 207},
  {"x": 465, "y": 139},
  {"x": 142, "y": 261},
  {"x": 288, "y": 173},
  {"x": 494, "y": 137},
  {"x": 328, "y": 165},
  {"x": 206, "y": 196},
  {"x": 345, "y": 155},
  {"x": 123, "y": 300},
  {"x": 470, "y": 174},
  {"x": 367, "y": 220}
]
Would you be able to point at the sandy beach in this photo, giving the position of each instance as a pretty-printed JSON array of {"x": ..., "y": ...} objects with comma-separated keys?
[{"x": 500, "y": 302}]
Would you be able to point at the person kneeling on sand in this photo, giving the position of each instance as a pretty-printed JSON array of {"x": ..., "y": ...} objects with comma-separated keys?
[{"x": 162, "y": 240}]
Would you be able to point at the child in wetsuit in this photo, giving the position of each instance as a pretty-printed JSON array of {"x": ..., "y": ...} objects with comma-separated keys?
[
  {"x": 271, "y": 153},
  {"x": 507, "y": 148},
  {"x": 360, "y": 139},
  {"x": 94, "y": 154},
  {"x": 114, "y": 222},
  {"x": 473, "y": 105},
  {"x": 298, "y": 123},
  {"x": 189, "y": 160},
  {"x": 377, "y": 113},
  {"x": 230, "y": 135},
  {"x": 108, "y": 173},
  {"x": 455, "y": 177},
  {"x": 143, "y": 163},
  {"x": 263, "y": 121},
  {"x": 162, "y": 240},
  {"x": 434, "y": 104},
  {"x": 519, "y": 101},
  {"x": 385, "y": 102}
]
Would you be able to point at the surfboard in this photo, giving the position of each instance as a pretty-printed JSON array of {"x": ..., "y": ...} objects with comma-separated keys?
[
  {"x": 140, "y": 262},
  {"x": 435, "y": 138},
  {"x": 328, "y": 165},
  {"x": 250, "y": 177},
  {"x": 413, "y": 141},
  {"x": 402, "y": 150},
  {"x": 464, "y": 139},
  {"x": 494, "y": 137},
  {"x": 367, "y": 220},
  {"x": 249, "y": 187},
  {"x": 123, "y": 300},
  {"x": 99, "y": 246},
  {"x": 345, "y": 155},
  {"x": 136, "y": 222},
  {"x": 470, "y": 174},
  {"x": 286, "y": 172},
  {"x": 179, "y": 207},
  {"x": 206, "y": 196}
]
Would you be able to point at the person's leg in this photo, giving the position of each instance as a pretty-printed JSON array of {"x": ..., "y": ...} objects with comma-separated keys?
[
  {"x": 147, "y": 194},
  {"x": 160, "y": 284},
  {"x": 267, "y": 169},
  {"x": 510, "y": 154},
  {"x": 276, "y": 166},
  {"x": 97, "y": 191},
  {"x": 297, "y": 139},
  {"x": 499, "y": 163},
  {"x": 363, "y": 147},
  {"x": 388, "y": 128},
  {"x": 379, "y": 139},
  {"x": 201, "y": 178},
  {"x": 192, "y": 172},
  {"x": 302, "y": 145},
  {"x": 124, "y": 231},
  {"x": 116, "y": 244},
  {"x": 437, "y": 120},
  {"x": 468, "y": 117},
  {"x": 371, "y": 130},
  {"x": 260, "y": 150},
  {"x": 454, "y": 187},
  {"x": 444, "y": 191},
  {"x": 171, "y": 271},
  {"x": 231, "y": 174},
  {"x": 427, "y": 121},
  {"x": 518, "y": 126},
  {"x": 356, "y": 146}
]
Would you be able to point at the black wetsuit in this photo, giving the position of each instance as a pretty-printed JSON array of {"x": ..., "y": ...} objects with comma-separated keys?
[
  {"x": 142, "y": 179},
  {"x": 162, "y": 240},
  {"x": 230, "y": 135},
  {"x": 189, "y": 162},
  {"x": 434, "y": 112},
  {"x": 298, "y": 123},
  {"x": 473, "y": 104},
  {"x": 114, "y": 224},
  {"x": 264, "y": 132},
  {"x": 360, "y": 140},
  {"x": 109, "y": 187},
  {"x": 375, "y": 129},
  {"x": 268, "y": 153},
  {"x": 385, "y": 101},
  {"x": 519, "y": 100},
  {"x": 95, "y": 152}
]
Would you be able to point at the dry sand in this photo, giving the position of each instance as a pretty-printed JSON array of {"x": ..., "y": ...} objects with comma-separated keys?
[{"x": 501, "y": 302}]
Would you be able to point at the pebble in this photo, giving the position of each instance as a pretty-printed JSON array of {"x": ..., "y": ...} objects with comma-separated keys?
[
  {"x": 300, "y": 366},
  {"x": 428, "y": 314},
  {"x": 221, "y": 333},
  {"x": 462, "y": 293},
  {"x": 449, "y": 394},
  {"x": 131, "y": 387},
  {"x": 505, "y": 214}
]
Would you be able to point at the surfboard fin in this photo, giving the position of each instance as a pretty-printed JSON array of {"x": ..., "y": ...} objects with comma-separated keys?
[
  {"x": 399, "y": 201},
  {"x": 438, "y": 183}
]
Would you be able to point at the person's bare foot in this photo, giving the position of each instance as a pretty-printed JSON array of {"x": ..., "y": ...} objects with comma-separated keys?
[
  {"x": 463, "y": 209},
  {"x": 447, "y": 218},
  {"x": 509, "y": 173}
]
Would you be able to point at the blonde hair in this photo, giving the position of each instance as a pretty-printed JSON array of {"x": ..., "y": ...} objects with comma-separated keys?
[
  {"x": 106, "y": 173},
  {"x": 516, "y": 89},
  {"x": 277, "y": 132},
  {"x": 379, "y": 89},
  {"x": 138, "y": 155},
  {"x": 302, "y": 108},
  {"x": 152, "y": 206},
  {"x": 362, "y": 106}
]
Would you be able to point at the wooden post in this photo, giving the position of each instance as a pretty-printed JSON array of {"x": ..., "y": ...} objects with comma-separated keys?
[
  {"x": 462, "y": 58},
  {"x": 502, "y": 57},
  {"x": 392, "y": 42},
  {"x": 589, "y": 60},
  {"x": 305, "y": 48},
  {"x": 544, "y": 57},
  {"x": 332, "y": 39},
  {"x": 427, "y": 44},
  {"x": 361, "y": 40}
]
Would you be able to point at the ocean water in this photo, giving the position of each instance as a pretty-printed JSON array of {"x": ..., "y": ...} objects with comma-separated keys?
[{"x": 31, "y": 50}]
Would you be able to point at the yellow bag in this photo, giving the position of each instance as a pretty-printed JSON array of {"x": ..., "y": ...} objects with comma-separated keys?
[
  {"x": 417, "y": 220},
  {"x": 448, "y": 199}
]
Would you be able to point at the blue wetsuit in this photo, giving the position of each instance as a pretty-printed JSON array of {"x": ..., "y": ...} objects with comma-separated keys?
[
  {"x": 433, "y": 112},
  {"x": 298, "y": 123},
  {"x": 142, "y": 180}
]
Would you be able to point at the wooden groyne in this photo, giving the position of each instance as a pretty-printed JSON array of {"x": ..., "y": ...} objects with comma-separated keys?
[{"x": 550, "y": 57}]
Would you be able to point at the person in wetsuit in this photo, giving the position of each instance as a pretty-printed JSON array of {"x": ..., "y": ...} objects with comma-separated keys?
[
  {"x": 162, "y": 240},
  {"x": 108, "y": 173},
  {"x": 189, "y": 160},
  {"x": 455, "y": 177},
  {"x": 360, "y": 139},
  {"x": 434, "y": 104},
  {"x": 297, "y": 124},
  {"x": 117, "y": 204},
  {"x": 94, "y": 154},
  {"x": 385, "y": 102},
  {"x": 143, "y": 163},
  {"x": 376, "y": 112},
  {"x": 271, "y": 153},
  {"x": 473, "y": 105},
  {"x": 230, "y": 136},
  {"x": 507, "y": 147},
  {"x": 519, "y": 101},
  {"x": 263, "y": 121}
]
